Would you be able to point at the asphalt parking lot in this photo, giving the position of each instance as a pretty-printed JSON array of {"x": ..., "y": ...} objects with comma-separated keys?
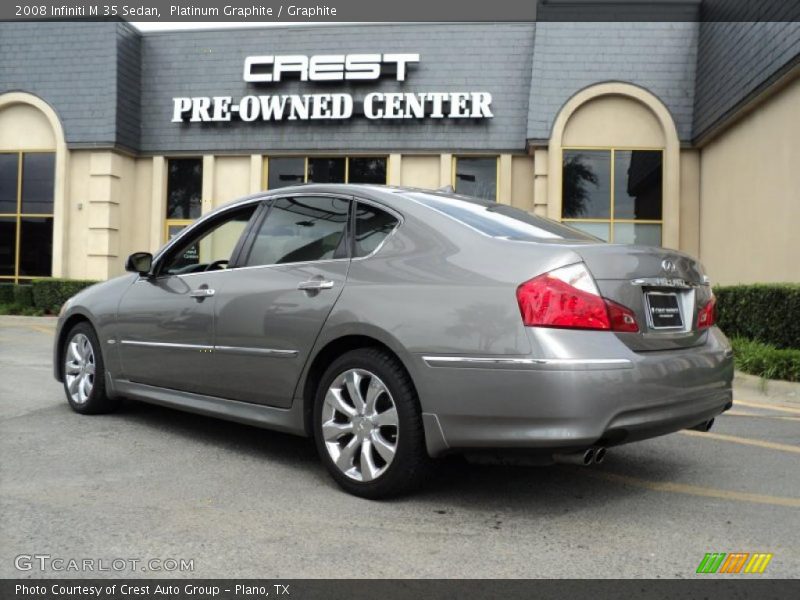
[{"x": 148, "y": 482}]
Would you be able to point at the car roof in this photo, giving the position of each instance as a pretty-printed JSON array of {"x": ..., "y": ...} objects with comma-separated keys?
[{"x": 367, "y": 190}]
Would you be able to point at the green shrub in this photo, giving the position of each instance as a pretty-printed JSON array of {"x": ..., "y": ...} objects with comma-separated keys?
[
  {"x": 16, "y": 309},
  {"x": 6, "y": 293},
  {"x": 23, "y": 296},
  {"x": 766, "y": 360},
  {"x": 50, "y": 294},
  {"x": 766, "y": 313}
]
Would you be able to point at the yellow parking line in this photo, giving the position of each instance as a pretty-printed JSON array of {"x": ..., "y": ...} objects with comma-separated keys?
[
  {"x": 767, "y": 406},
  {"x": 736, "y": 413},
  {"x": 695, "y": 490},
  {"x": 42, "y": 329},
  {"x": 745, "y": 441}
]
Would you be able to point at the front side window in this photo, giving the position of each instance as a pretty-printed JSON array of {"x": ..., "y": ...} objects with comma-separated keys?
[
  {"x": 301, "y": 229},
  {"x": 27, "y": 191},
  {"x": 373, "y": 225},
  {"x": 212, "y": 248},
  {"x": 614, "y": 194},
  {"x": 184, "y": 193},
  {"x": 477, "y": 177}
]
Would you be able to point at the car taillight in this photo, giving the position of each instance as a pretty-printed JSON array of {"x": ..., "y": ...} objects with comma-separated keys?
[
  {"x": 707, "y": 315},
  {"x": 568, "y": 298}
]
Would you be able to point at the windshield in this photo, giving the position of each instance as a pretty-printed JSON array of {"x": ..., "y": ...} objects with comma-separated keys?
[{"x": 499, "y": 220}]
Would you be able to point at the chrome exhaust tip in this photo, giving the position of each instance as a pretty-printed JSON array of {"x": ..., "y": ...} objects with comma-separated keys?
[
  {"x": 583, "y": 458},
  {"x": 704, "y": 426},
  {"x": 599, "y": 455}
]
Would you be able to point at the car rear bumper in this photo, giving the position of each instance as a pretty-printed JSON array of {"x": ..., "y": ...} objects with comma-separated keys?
[{"x": 557, "y": 404}]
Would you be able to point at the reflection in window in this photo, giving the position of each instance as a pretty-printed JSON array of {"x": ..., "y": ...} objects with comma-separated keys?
[
  {"x": 38, "y": 183},
  {"x": 372, "y": 227},
  {"x": 306, "y": 228},
  {"x": 282, "y": 172},
  {"x": 586, "y": 184},
  {"x": 637, "y": 184},
  {"x": 184, "y": 188},
  {"x": 9, "y": 174},
  {"x": 631, "y": 212},
  {"x": 476, "y": 177},
  {"x": 326, "y": 170},
  {"x": 367, "y": 169},
  {"x": 8, "y": 246},
  {"x": 27, "y": 191}
]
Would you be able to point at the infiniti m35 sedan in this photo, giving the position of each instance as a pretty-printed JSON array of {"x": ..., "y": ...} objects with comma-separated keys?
[{"x": 395, "y": 325}]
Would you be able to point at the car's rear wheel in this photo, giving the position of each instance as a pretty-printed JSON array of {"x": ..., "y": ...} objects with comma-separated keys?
[
  {"x": 368, "y": 427},
  {"x": 84, "y": 372}
]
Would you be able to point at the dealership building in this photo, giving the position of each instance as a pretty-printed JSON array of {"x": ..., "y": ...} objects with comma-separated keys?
[{"x": 682, "y": 134}]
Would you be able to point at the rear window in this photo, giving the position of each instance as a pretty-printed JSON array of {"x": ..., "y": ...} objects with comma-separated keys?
[{"x": 499, "y": 220}]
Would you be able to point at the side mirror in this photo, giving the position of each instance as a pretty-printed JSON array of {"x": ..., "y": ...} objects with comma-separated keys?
[{"x": 139, "y": 262}]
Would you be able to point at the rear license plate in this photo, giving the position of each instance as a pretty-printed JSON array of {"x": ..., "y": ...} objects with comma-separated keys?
[{"x": 663, "y": 310}]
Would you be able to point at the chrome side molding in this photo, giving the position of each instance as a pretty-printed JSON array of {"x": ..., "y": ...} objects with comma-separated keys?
[
  {"x": 271, "y": 352},
  {"x": 256, "y": 351},
  {"x": 527, "y": 364}
]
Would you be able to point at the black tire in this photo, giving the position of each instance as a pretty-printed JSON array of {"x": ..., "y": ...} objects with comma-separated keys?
[
  {"x": 411, "y": 463},
  {"x": 96, "y": 401}
]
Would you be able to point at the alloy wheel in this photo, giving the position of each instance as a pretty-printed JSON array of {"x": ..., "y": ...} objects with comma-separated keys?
[
  {"x": 360, "y": 425},
  {"x": 79, "y": 368}
]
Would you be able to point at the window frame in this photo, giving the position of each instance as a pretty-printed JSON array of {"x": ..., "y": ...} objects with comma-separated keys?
[
  {"x": 306, "y": 157},
  {"x": 19, "y": 215},
  {"x": 454, "y": 170},
  {"x": 611, "y": 221},
  {"x": 180, "y": 222}
]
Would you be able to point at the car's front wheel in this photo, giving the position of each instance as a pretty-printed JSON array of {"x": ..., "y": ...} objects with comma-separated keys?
[
  {"x": 84, "y": 372},
  {"x": 368, "y": 426}
]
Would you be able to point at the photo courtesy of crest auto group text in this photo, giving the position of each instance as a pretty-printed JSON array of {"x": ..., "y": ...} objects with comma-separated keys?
[{"x": 426, "y": 299}]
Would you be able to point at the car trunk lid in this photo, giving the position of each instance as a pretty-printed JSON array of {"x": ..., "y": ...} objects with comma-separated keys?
[{"x": 664, "y": 288}]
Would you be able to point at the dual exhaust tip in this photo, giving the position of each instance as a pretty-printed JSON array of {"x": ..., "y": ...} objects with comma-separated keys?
[
  {"x": 584, "y": 458},
  {"x": 597, "y": 454}
]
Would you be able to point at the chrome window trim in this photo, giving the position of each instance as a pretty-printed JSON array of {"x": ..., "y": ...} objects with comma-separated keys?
[
  {"x": 275, "y": 196},
  {"x": 387, "y": 209},
  {"x": 532, "y": 364}
]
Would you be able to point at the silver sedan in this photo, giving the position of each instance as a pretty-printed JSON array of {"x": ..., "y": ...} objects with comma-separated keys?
[{"x": 397, "y": 325}]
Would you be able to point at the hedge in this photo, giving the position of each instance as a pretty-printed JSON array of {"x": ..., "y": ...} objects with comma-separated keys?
[
  {"x": 765, "y": 360},
  {"x": 23, "y": 296},
  {"x": 50, "y": 294},
  {"x": 766, "y": 313},
  {"x": 6, "y": 293}
]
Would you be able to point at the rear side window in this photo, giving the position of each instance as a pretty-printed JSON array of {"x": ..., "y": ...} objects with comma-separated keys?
[
  {"x": 373, "y": 225},
  {"x": 301, "y": 229},
  {"x": 499, "y": 220}
]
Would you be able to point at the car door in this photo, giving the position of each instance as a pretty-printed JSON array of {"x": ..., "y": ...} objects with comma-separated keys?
[
  {"x": 165, "y": 323},
  {"x": 270, "y": 311}
]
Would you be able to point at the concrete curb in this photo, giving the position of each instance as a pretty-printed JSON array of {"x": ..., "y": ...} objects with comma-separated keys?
[{"x": 773, "y": 389}]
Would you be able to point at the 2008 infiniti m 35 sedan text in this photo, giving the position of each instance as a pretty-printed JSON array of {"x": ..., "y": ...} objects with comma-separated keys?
[{"x": 395, "y": 325}]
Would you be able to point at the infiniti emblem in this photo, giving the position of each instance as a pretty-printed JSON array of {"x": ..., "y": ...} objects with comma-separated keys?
[{"x": 668, "y": 265}]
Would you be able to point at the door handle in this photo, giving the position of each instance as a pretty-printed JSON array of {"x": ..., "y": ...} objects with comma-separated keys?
[
  {"x": 314, "y": 285},
  {"x": 202, "y": 293}
]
